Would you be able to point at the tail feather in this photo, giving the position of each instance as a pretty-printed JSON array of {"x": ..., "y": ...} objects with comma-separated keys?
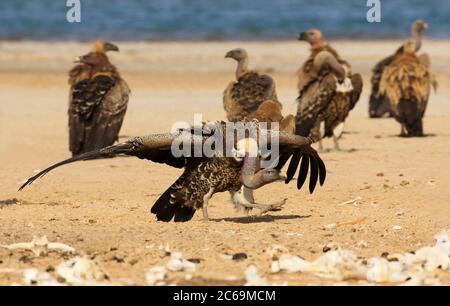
[{"x": 168, "y": 207}]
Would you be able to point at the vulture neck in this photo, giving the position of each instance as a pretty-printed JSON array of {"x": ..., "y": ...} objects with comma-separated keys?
[
  {"x": 242, "y": 67},
  {"x": 318, "y": 44},
  {"x": 417, "y": 37}
]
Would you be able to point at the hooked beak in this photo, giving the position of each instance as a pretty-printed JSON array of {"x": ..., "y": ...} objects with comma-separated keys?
[
  {"x": 111, "y": 47},
  {"x": 425, "y": 26},
  {"x": 77, "y": 60},
  {"x": 303, "y": 36},
  {"x": 229, "y": 55}
]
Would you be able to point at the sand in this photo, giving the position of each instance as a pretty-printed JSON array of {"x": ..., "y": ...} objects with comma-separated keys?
[{"x": 101, "y": 208}]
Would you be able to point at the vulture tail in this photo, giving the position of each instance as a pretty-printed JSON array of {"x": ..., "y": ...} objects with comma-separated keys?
[
  {"x": 107, "y": 152},
  {"x": 170, "y": 206}
]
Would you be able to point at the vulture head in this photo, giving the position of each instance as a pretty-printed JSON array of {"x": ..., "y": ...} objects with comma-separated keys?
[
  {"x": 313, "y": 36},
  {"x": 238, "y": 54},
  {"x": 101, "y": 46},
  {"x": 96, "y": 60},
  {"x": 419, "y": 26},
  {"x": 327, "y": 60}
]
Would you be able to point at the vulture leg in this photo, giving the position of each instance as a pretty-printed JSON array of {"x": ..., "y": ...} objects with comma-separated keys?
[
  {"x": 244, "y": 199},
  {"x": 206, "y": 199},
  {"x": 320, "y": 146},
  {"x": 403, "y": 131},
  {"x": 336, "y": 143}
]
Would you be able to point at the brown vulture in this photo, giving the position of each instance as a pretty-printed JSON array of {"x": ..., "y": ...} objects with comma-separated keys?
[
  {"x": 251, "y": 89},
  {"x": 203, "y": 175},
  {"x": 406, "y": 82},
  {"x": 379, "y": 104},
  {"x": 97, "y": 104},
  {"x": 319, "y": 97}
]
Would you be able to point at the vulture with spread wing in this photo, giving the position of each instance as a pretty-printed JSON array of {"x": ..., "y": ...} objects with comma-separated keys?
[
  {"x": 379, "y": 104},
  {"x": 407, "y": 82},
  {"x": 98, "y": 102},
  {"x": 324, "y": 105},
  {"x": 205, "y": 176}
]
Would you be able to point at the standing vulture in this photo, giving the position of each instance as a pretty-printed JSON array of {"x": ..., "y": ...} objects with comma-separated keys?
[
  {"x": 245, "y": 95},
  {"x": 406, "y": 82},
  {"x": 379, "y": 104},
  {"x": 331, "y": 104},
  {"x": 98, "y": 102},
  {"x": 205, "y": 176}
]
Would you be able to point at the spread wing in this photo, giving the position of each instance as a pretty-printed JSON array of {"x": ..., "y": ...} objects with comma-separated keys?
[
  {"x": 155, "y": 148},
  {"x": 247, "y": 94}
]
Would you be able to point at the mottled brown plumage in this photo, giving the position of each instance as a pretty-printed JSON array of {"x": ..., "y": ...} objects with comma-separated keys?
[
  {"x": 203, "y": 176},
  {"x": 245, "y": 95},
  {"x": 97, "y": 105},
  {"x": 379, "y": 104},
  {"x": 406, "y": 82}
]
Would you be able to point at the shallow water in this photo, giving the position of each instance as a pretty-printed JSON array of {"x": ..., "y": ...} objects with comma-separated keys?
[{"x": 216, "y": 20}]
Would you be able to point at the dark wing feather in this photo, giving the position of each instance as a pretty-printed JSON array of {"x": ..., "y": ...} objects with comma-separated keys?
[
  {"x": 314, "y": 175},
  {"x": 303, "y": 172},
  {"x": 379, "y": 103},
  {"x": 252, "y": 89},
  {"x": 86, "y": 96},
  {"x": 313, "y": 100},
  {"x": 107, "y": 120},
  {"x": 133, "y": 147}
]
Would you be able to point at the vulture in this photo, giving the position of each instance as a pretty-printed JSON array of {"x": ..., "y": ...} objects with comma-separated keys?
[
  {"x": 324, "y": 105},
  {"x": 203, "y": 176},
  {"x": 379, "y": 104},
  {"x": 406, "y": 83},
  {"x": 97, "y": 103},
  {"x": 245, "y": 95}
]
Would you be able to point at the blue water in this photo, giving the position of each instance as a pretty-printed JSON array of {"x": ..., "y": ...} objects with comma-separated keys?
[{"x": 216, "y": 19}]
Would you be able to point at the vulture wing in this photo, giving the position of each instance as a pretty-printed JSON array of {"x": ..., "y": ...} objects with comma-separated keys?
[
  {"x": 96, "y": 111},
  {"x": 155, "y": 148},
  {"x": 78, "y": 73},
  {"x": 378, "y": 104},
  {"x": 247, "y": 94}
]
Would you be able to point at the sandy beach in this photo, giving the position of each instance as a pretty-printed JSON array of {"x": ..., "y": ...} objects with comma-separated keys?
[{"x": 101, "y": 208}]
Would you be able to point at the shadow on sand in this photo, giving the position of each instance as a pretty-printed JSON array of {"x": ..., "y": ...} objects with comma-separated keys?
[{"x": 260, "y": 219}]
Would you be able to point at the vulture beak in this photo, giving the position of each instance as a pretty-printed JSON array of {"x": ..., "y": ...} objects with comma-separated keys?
[
  {"x": 229, "y": 55},
  {"x": 111, "y": 47},
  {"x": 425, "y": 26},
  {"x": 77, "y": 60},
  {"x": 303, "y": 36}
]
